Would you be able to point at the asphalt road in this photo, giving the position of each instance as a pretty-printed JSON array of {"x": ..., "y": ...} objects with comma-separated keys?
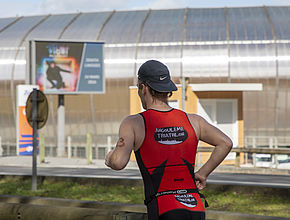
[{"x": 275, "y": 181}]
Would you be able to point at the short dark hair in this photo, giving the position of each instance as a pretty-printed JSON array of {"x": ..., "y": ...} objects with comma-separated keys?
[{"x": 162, "y": 96}]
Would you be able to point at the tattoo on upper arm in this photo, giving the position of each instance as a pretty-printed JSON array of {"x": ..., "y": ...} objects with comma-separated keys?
[{"x": 120, "y": 142}]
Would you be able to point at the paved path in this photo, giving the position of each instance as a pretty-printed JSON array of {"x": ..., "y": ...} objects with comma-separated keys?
[{"x": 62, "y": 167}]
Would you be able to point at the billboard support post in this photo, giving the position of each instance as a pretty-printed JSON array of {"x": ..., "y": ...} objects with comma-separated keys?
[
  {"x": 34, "y": 125},
  {"x": 60, "y": 126}
]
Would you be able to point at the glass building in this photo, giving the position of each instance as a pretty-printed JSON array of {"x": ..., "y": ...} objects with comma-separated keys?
[{"x": 210, "y": 45}]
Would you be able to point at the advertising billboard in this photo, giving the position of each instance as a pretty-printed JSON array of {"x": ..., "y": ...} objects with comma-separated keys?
[
  {"x": 23, "y": 129},
  {"x": 67, "y": 67}
]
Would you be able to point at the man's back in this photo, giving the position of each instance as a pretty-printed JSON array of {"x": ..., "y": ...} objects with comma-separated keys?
[
  {"x": 137, "y": 123},
  {"x": 166, "y": 160},
  {"x": 168, "y": 136}
]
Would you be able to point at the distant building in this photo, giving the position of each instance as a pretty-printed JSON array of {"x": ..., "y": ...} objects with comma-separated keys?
[{"x": 236, "y": 62}]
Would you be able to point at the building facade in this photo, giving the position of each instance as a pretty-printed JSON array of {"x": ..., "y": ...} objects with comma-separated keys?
[{"x": 210, "y": 46}]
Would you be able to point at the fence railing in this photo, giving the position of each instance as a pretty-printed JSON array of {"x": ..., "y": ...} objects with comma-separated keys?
[
  {"x": 89, "y": 149},
  {"x": 239, "y": 150},
  {"x": 267, "y": 141},
  {"x": 98, "y": 151}
]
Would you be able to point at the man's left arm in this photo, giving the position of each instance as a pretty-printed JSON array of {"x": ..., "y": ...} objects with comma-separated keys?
[
  {"x": 63, "y": 70},
  {"x": 118, "y": 158}
]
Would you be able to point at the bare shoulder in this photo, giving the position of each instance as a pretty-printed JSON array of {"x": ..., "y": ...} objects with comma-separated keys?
[
  {"x": 132, "y": 119},
  {"x": 135, "y": 123},
  {"x": 195, "y": 123},
  {"x": 194, "y": 117}
]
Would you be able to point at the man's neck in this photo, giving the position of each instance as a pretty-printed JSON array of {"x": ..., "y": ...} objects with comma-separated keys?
[{"x": 158, "y": 105}]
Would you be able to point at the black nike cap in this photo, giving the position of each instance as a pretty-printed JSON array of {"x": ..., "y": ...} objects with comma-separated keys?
[{"x": 156, "y": 75}]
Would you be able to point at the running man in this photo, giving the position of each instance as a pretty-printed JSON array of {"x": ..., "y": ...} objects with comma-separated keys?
[{"x": 165, "y": 141}]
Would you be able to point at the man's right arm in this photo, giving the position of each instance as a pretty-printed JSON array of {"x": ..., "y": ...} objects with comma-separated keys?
[{"x": 223, "y": 145}]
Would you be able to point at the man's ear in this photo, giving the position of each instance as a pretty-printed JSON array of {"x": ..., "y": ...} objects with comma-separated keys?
[{"x": 144, "y": 88}]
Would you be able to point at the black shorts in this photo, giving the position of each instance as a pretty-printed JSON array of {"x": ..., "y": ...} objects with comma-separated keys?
[{"x": 183, "y": 214}]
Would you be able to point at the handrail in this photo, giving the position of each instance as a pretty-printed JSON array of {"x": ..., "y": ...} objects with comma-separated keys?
[
  {"x": 239, "y": 150},
  {"x": 250, "y": 150}
]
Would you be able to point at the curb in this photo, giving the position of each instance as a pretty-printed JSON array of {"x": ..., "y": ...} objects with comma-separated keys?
[{"x": 23, "y": 207}]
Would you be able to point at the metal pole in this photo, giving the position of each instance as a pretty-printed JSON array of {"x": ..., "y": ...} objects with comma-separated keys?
[
  {"x": 69, "y": 147},
  {"x": 60, "y": 126},
  {"x": 183, "y": 92},
  {"x": 254, "y": 154},
  {"x": 89, "y": 148},
  {"x": 1, "y": 149},
  {"x": 271, "y": 146},
  {"x": 228, "y": 43},
  {"x": 275, "y": 155},
  {"x": 41, "y": 148},
  {"x": 109, "y": 143},
  {"x": 34, "y": 125},
  {"x": 199, "y": 159},
  {"x": 246, "y": 154}
]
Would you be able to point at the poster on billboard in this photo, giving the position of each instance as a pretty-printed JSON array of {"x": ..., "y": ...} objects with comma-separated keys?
[
  {"x": 67, "y": 67},
  {"x": 23, "y": 129}
]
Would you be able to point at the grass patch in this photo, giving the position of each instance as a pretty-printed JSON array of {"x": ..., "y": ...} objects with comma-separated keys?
[
  {"x": 72, "y": 190},
  {"x": 264, "y": 201}
]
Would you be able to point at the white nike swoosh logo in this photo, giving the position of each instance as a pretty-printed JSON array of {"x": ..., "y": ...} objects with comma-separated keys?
[{"x": 162, "y": 78}]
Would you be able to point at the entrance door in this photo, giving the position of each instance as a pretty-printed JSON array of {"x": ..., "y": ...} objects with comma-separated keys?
[{"x": 221, "y": 113}]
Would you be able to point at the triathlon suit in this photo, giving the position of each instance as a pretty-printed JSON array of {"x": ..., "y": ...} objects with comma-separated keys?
[{"x": 166, "y": 160}]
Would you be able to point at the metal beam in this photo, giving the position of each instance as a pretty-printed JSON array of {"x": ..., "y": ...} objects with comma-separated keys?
[
  {"x": 137, "y": 44},
  {"x": 249, "y": 150}
]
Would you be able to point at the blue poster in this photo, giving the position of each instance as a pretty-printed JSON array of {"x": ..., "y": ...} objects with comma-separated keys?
[{"x": 91, "y": 77}]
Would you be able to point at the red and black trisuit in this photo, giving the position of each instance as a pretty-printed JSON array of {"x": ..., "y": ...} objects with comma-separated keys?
[{"x": 166, "y": 160}]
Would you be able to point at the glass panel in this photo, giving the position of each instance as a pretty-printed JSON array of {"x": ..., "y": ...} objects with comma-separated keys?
[
  {"x": 123, "y": 27},
  {"x": 283, "y": 104},
  {"x": 206, "y": 108},
  {"x": 205, "y": 61},
  {"x": 7, "y": 130},
  {"x": 20, "y": 66},
  {"x": 169, "y": 55},
  {"x": 283, "y": 60},
  {"x": 86, "y": 26},
  {"x": 6, "y": 59},
  {"x": 259, "y": 112},
  {"x": 205, "y": 25},
  {"x": 119, "y": 62},
  {"x": 281, "y": 21},
  {"x": 13, "y": 35},
  {"x": 5, "y": 21},
  {"x": 10, "y": 40},
  {"x": 51, "y": 28},
  {"x": 249, "y": 24},
  {"x": 252, "y": 61},
  {"x": 163, "y": 26},
  {"x": 224, "y": 112}
]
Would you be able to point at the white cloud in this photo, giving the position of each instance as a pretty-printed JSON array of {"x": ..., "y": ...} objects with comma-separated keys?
[
  {"x": 164, "y": 4},
  {"x": 16, "y": 8},
  {"x": 65, "y": 6}
]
